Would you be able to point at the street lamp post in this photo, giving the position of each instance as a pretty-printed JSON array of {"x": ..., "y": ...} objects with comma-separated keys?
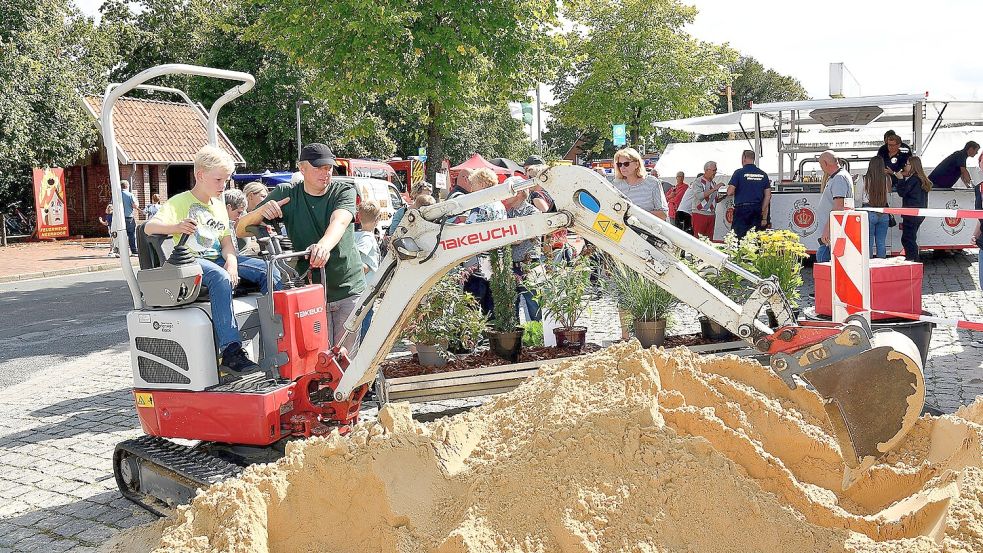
[{"x": 299, "y": 144}]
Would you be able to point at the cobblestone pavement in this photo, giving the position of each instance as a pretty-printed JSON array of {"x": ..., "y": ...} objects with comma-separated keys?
[{"x": 58, "y": 429}]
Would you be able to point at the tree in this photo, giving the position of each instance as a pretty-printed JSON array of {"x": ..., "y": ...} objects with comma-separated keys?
[
  {"x": 49, "y": 52},
  {"x": 631, "y": 62},
  {"x": 432, "y": 54},
  {"x": 753, "y": 83},
  {"x": 262, "y": 124}
]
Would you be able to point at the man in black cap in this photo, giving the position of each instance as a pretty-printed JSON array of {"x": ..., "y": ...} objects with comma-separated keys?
[
  {"x": 319, "y": 215},
  {"x": 532, "y": 160}
]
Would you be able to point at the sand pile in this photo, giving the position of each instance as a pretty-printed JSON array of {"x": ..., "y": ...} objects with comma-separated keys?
[{"x": 626, "y": 450}]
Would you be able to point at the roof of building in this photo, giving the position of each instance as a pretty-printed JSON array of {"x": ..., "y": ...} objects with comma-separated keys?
[{"x": 153, "y": 131}]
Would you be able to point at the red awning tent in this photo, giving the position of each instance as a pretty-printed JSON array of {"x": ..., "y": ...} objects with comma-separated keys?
[{"x": 478, "y": 162}]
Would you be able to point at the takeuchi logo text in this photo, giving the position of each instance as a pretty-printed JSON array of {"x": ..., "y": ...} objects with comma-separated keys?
[{"x": 479, "y": 237}]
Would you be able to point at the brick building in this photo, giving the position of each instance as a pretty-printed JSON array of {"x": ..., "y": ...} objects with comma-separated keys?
[{"x": 156, "y": 144}]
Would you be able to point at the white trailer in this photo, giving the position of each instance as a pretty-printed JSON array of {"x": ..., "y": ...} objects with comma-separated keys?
[{"x": 789, "y": 136}]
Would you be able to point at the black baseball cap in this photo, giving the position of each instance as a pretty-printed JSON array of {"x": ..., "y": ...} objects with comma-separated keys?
[
  {"x": 317, "y": 154},
  {"x": 534, "y": 160}
]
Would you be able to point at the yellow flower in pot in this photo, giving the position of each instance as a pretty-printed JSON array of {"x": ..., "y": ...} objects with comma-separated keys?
[{"x": 779, "y": 254}]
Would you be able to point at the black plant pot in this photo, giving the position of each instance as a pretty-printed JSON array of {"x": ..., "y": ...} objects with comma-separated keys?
[
  {"x": 506, "y": 345},
  {"x": 713, "y": 331},
  {"x": 574, "y": 337}
]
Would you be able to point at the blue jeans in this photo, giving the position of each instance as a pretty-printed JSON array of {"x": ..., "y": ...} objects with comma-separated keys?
[
  {"x": 366, "y": 322},
  {"x": 219, "y": 285},
  {"x": 131, "y": 233},
  {"x": 525, "y": 297},
  {"x": 823, "y": 254},
  {"x": 878, "y": 234}
]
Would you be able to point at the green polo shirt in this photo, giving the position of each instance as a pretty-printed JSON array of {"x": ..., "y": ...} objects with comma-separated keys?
[{"x": 306, "y": 218}]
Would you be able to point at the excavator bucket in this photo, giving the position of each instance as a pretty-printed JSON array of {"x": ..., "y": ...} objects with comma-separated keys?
[{"x": 872, "y": 386}]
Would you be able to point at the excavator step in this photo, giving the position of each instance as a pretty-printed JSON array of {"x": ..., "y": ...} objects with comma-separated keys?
[{"x": 159, "y": 475}]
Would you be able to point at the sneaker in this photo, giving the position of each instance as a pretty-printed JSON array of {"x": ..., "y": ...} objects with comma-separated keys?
[{"x": 235, "y": 362}]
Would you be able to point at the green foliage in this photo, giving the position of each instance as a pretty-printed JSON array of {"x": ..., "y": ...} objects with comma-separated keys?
[
  {"x": 446, "y": 313},
  {"x": 632, "y": 62},
  {"x": 48, "y": 53},
  {"x": 503, "y": 289},
  {"x": 642, "y": 298},
  {"x": 434, "y": 55},
  {"x": 561, "y": 289},
  {"x": 263, "y": 123},
  {"x": 753, "y": 83},
  {"x": 532, "y": 336},
  {"x": 773, "y": 253}
]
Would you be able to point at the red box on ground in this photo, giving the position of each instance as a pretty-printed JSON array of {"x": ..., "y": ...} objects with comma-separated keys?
[{"x": 894, "y": 286}]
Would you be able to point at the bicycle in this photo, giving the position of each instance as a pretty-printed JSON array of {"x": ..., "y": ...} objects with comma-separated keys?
[{"x": 18, "y": 223}]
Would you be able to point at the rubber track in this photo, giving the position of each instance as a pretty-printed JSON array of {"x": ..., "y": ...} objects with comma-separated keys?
[{"x": 196, "y": 468}]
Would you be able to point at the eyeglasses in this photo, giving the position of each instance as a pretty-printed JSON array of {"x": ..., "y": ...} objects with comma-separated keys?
[{"x": 624, "y": 163}]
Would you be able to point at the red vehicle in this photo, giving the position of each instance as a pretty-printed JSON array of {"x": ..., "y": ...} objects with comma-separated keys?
[{"x": 353, "y": 167}]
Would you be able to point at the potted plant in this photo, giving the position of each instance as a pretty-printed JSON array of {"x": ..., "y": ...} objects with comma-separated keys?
[
  {"x": 561, "y": 289},
  {"x": 504, "y": 333},
  {"x": 779, "y": 254},
  {"x": 649, "y": 306},
  {"x": 445, "y": 313}
]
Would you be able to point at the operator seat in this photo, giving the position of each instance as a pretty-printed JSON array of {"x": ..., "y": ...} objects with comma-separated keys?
[{"x": 150, "y": 253}]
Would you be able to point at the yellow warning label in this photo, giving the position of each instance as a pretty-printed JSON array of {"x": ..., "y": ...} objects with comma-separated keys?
[
  {"x": 610, "y": 228},
  {"x": 144, "y": 399}
]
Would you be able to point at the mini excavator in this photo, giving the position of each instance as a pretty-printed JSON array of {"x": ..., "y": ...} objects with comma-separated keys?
[{"x": 871, "y": 382}]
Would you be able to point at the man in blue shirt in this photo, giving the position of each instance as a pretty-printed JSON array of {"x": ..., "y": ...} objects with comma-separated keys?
[
  {"x": 953, "y": 168},
  {"x": 129, "y": 205},
  {"x": 751, "y": 190}
]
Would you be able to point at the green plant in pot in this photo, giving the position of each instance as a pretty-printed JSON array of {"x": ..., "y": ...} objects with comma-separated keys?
[
  {"x": 446, "y": 313},
  {"x": 504, "y": 333},
  {"x": 561, "y": 290},
  {"x": 648, "y": 304}
]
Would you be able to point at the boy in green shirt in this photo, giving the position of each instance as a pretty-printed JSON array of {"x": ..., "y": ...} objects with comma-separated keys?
[
  {"x": 319, "y": 215},
  {"x": 200, "y": 213}
]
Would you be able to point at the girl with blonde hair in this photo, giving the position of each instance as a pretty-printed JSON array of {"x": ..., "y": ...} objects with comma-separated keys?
[{"x": 641, "y": 189}]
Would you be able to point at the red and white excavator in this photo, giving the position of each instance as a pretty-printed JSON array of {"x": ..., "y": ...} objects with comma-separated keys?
[{"x": 872, "y": 383}]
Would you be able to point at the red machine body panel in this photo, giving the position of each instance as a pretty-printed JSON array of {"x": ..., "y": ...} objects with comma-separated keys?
[
  {"x": 227, "y": 417},
  {"x": 305, "y": 329}
]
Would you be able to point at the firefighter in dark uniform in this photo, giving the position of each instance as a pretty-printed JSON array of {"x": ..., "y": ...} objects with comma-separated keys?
[{"x": 751, "y": 190}]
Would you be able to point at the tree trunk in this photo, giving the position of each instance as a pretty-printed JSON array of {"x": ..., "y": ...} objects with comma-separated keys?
[{"x": 435, "y": 142}]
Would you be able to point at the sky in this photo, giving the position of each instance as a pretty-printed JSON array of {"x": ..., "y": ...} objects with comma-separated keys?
[{"x": 890, "y": 47}]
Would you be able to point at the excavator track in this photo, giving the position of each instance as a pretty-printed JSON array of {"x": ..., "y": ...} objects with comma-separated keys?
[{"x": 159, "y": 475}]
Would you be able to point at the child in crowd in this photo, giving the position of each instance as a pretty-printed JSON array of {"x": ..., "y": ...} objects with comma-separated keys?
[
  {"x": 368, "y": 247},
  {"x": 108, "y": 223}
]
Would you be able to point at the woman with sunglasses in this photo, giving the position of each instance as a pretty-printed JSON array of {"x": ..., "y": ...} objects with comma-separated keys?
[{"x": 641, "y": 189}]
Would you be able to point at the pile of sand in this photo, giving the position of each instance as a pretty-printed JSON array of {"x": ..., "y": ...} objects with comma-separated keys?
[{"x": 625, "y": 450}]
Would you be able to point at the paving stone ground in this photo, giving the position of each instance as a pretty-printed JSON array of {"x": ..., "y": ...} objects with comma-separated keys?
[{"x": 58, "y": 429}]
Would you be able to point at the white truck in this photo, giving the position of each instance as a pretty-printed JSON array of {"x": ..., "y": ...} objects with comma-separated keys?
[{"x": 789, "y": 136}]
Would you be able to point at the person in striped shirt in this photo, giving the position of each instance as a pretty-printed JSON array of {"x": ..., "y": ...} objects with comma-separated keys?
[{"x": 641, "y": 189}]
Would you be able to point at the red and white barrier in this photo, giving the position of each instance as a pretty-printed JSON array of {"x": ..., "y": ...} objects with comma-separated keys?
[
  {"x": 927, "y": 212},
  {"x": 940, "y": 321},
  {"x": 850, "y": 271}
]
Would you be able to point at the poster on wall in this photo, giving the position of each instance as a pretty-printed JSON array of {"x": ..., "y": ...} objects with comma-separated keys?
[{"x": 49, "y": 203}]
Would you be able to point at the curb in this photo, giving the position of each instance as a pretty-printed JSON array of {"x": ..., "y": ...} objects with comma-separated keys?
[{"x": 61, "y": 272}]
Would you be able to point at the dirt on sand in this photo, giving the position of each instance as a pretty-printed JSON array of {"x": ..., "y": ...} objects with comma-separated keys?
[{"x": 623, "y": 450}]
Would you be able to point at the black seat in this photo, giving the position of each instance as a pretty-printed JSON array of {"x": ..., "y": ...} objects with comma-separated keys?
[{"x": 150, "y": 253}]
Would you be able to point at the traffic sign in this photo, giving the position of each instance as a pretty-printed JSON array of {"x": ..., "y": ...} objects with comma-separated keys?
[{"x": 618, "y": 135}]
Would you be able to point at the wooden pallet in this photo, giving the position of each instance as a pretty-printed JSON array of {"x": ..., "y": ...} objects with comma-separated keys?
[{"x": 499, "y": 379}]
